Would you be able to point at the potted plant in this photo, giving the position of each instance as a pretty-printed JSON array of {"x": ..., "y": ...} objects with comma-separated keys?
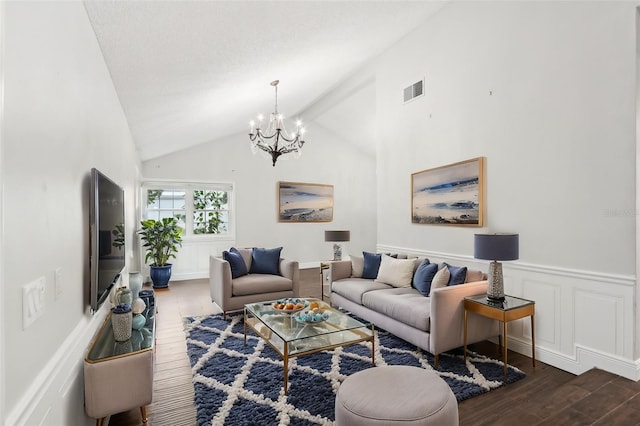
[{"x": 161, "y": 240}]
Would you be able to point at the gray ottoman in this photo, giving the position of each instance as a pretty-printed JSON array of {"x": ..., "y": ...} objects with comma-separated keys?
[{"x": 395, "y": 395}]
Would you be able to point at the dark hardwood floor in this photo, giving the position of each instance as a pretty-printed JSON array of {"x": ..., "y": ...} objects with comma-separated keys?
[{"x": 547, "y": 396}]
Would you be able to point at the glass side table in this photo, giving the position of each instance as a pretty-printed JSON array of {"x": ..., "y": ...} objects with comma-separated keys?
[{"x": 511, "y": 308}]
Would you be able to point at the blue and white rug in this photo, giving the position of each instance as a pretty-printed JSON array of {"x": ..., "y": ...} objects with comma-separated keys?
[{"x": 243, "y": 385}]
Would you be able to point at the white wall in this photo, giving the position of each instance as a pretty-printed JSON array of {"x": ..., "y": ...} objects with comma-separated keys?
[
  {"x": 545, "y": 91},
  {"x": 61, "y": 118},
  {"x": 327, "y": 159}
]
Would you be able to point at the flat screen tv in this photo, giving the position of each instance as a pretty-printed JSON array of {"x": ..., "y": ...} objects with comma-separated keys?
[{"x": 107, "y": 248}]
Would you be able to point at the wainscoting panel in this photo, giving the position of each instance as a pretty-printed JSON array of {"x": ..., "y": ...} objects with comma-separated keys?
[
  {"x": 548, "y": 312},
  {"x": 599, "y": 321},
  {"x": 583, "y": 319},
  {"x": 192, "y": 260}
]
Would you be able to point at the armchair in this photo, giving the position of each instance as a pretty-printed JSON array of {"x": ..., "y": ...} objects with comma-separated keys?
[{"x": 231, "y": 294}]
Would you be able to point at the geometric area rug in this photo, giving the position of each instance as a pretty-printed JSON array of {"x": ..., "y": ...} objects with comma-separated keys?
[{"x": 243, "y": 385}]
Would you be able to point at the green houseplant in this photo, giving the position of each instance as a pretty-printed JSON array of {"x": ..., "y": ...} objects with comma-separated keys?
[{"x": 161, "y": 239}]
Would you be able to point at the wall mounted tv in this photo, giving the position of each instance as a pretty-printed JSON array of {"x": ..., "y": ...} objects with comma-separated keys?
[{"x": 107, "y": 236}]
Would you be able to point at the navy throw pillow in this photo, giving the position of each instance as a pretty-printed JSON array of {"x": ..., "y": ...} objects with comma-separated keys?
[
  {"x": 238, "y": 267},
  {"x": 371, "y": 264},
  {"x": 458, "y": 274},
  {"x": 265, "y": 261},
  {"x": 423, "y": 277}
]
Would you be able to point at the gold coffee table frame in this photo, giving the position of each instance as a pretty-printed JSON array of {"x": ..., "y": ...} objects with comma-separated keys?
[{"x": 290, "y": 338}]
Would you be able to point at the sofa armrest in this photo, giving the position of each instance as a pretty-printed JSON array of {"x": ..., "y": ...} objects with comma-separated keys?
[
  {"x": 291, "y": 269},
  {"x": 339, "y": 269},
  {"x": 447, "y": 318},
  {"x": 220, "y": 281}
]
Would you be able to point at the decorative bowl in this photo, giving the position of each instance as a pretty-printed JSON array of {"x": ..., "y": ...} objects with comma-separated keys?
[
  {"x": 289, "y": 305},
  {"x": 311, "y": 316}
]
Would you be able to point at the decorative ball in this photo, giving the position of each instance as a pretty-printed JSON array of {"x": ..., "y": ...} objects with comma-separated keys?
[
  {"x": 138, "y": 322},
  {"x": 138, "y": 306}
]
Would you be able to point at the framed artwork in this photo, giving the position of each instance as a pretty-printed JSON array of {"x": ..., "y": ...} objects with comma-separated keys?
[
  {"x": 449, "y": 195},
  {"x": 305, "y": 202}
]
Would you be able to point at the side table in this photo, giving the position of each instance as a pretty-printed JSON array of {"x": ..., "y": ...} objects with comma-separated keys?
[
  {"x": 325, "y": 288},
  {"x": 511, "y": 308}
]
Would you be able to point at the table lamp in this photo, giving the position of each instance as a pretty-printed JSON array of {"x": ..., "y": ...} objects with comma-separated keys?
[
  {"x": 495, "y": 247},
  {"x": 337, "y": 237}
]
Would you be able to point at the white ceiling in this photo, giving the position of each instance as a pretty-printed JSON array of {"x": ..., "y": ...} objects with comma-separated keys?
[{"x": 190, "y": 72}]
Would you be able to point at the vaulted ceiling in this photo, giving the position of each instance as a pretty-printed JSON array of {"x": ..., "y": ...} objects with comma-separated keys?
[{"x": 191, "y": 72}]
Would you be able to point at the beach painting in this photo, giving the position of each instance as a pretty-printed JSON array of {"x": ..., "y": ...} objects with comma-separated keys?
[
  {"x": 305, "y": 202},
  {"x": 449, "y": 195}
]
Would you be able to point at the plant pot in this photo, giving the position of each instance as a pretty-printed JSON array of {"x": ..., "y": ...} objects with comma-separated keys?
[{"x": 160, "y": 275}]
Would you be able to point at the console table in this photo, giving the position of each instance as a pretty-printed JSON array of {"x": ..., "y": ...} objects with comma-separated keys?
[
  {"x": 511, "y": 308},
  {"x": 118, "y": 376}
]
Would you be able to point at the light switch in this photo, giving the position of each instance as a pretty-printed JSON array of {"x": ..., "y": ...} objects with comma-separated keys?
[{"x": 33, "y": 301}]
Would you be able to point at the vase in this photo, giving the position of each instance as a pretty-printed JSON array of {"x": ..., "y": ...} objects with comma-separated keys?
[
  {"x": 135, "y": 284},
  {"x": 121, "y": 322},
  {"x": 124, "y": 296},
  {"x": 160, "y": 275}
]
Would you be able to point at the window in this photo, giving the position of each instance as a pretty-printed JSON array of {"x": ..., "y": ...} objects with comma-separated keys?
[
  {"x": 201, "y": 208},
  {"x": 210, "y": 211}
]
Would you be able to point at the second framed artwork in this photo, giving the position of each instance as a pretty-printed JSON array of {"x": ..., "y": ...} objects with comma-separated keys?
[
  {"x": 305, "y": 202},
  {"x": 449, "y": 195}
]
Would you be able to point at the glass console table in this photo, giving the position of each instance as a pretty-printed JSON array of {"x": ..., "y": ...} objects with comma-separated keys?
[{"x": 118, "y": 376}]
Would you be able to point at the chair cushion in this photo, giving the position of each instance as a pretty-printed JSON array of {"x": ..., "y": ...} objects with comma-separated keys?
[
  {"x": 402, "y": 304},
  {"x": 236, "y": 262},
  {"x": 424, "y": 276},
  {"x": 260, "y": 283},
  {"x": 441, "y": 278},
  {"x": 265, "y": 261},
  {"x": 457, "y": 274},
  {"x": 474, "y": 275},
  {"x": 395, "y": 272},
  {"x": 371, "y": 265},
  {"x": 354, "y": 288},
  {"x": 357, "y": 265}
]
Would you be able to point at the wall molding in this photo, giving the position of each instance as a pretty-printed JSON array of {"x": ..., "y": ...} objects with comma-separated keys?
[
  {"x": 559, "y": 313},
  {"x": 620, "y": 279},
  {"x": 62, "y": 370}
]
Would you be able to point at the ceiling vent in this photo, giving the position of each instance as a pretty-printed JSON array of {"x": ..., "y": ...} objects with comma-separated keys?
[{"x": 414, "y": 91}]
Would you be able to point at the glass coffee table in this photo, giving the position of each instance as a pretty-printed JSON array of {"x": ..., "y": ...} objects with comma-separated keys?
[{"x": 291, "y": 338}]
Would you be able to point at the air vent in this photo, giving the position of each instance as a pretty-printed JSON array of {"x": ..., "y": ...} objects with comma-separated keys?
[{"x": 414, "y": 91}]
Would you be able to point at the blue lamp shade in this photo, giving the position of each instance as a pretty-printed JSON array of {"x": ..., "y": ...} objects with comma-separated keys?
[
  {"x": 496, "y": 246},
  {"x": 337, "y": 236}
]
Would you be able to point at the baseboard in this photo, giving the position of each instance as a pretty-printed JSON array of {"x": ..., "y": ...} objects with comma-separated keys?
[
  {"x": 190, "y": 276},
  {"x": 584, "y": 360}
]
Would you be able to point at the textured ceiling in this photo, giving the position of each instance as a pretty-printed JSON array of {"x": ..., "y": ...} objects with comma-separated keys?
[{"x": 193, "y": 72}]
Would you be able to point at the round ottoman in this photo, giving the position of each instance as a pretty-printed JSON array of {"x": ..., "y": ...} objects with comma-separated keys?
[{"x": 395, "y": 395}]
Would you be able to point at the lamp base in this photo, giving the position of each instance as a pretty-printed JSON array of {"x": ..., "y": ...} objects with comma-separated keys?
[
  {"x": 337, "y": 252},
  {"x": 495, "y": 288}
]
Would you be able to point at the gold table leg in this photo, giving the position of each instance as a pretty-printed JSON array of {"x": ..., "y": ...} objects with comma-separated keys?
[
  {"x": 533, "y": 343},
  {"x": 245, "y": 326},
  {"x": 465, "y": 336},
  {"x": 286, "y": 365},
  {"x": 504, "y": 348},
  {"x": 373, "y": 346}
]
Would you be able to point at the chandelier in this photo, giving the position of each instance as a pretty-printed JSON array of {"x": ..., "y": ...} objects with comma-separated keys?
[{"x": 276, "y": 141}]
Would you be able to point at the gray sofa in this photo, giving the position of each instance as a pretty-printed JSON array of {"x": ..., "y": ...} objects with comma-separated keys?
[
  {"x": 232, "y": 294},
  {"x": 433, "y": 323}
]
